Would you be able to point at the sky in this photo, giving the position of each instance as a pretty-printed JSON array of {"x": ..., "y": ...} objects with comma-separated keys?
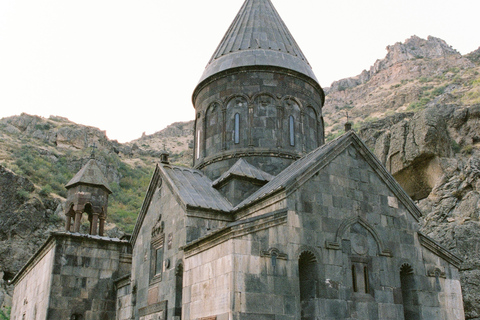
[{"x": 130, "y": 66}]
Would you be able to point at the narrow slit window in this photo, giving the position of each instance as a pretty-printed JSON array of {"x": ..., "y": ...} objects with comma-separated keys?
[
  {"x": 198, "y": 144},
  {"x": 354, "y": 279},
  {"x": 365, "y": 276},
  {"x": 236, "y": 133},
  {"x": 292, "y": 130},
  {"x": 159, "y": 261}
]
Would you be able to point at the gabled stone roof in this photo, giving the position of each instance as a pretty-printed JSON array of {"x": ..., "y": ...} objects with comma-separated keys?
[
  {"x": 89, "y": 174},
  {"x": 244, "y": 169},
  {"x": 258, "y": 37},
  {"x": 301, "y": 170},
  {"x": 195, "y": 189}
]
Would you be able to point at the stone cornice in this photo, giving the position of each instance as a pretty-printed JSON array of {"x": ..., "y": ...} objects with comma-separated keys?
[
  {"x": 234, "y": 230},
  {"x": 247, "y": 152},
  {"x": 439, "y": 250},
  {"x": 51, "y": 242}
]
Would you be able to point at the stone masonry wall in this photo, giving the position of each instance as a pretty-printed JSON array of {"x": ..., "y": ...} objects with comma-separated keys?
[
  {"x": 83, "y": 276},
  {"x": 209, "y": 283},
  {"x": 348, "y": 216},
  {"x": 32, "y": 293}
]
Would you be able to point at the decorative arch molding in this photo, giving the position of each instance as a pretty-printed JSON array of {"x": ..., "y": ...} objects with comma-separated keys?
[
  {"x": 179, "y": 267},
  {"x": 313, "y": 109},
  {"x": 236, "y": 96},
  {"x": 260, "y": 94},
  {"x": 274, "y": 252},
  {"x": 213, "y": 125},
  {"x": 307, "y": 250},
  {"x": 289, "y": 97},
  {"x": 347, "y": 223},
  {"x": 215, "y": 103},
  {"x": 406, "y": 268}
]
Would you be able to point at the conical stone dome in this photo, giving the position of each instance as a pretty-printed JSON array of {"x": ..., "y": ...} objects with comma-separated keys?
[
  {"x": 258, "y": 98},
  {"x": 258, "y": 37}
]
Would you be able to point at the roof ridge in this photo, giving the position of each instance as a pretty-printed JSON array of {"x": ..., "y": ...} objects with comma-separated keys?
[{"x": 244, "y": 169}]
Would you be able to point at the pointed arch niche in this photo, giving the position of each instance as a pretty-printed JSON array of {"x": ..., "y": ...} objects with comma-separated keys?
[
  {"x": 264, "y": 123},
  {"x": 307, "y": 274},
  {"x": 346, "y": 224},
  {"x": 236, "y": 123},
  {"x": 409, "y": 296},
  {"x": 213, "y": 129},
  {"x": 362, "y": 244},
  {"x": 311, "y": 124},
  {"x": 292, "y": 125}
]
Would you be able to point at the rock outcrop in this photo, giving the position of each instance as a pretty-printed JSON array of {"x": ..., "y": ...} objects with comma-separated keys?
[
  {"x": 474, "y": 56},
  {"x": 412, "y": 49},
  {"x": 26, "y": 219}
]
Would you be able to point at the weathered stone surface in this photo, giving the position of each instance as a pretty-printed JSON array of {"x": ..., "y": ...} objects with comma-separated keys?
[
  {"x": 439, "y": 166},
  {"x": 279, "y": 120}
]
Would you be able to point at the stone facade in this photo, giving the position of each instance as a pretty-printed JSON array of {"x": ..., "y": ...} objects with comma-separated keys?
[
  {"x": 32, "y": 293},
  {"x": 71, "y": 277},
  {"x": 157, "y": 258}
]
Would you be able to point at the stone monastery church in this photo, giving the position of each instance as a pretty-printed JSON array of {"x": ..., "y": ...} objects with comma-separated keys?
[{"x": 272, "y": 223}]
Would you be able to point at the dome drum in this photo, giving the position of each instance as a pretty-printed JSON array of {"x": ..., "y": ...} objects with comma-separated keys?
[{"x": 263, "y": 114}]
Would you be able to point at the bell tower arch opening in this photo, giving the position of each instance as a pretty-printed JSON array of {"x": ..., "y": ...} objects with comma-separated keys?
[{"x": 87, "y": 192}]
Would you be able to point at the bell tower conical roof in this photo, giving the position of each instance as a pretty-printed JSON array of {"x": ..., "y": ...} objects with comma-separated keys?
[
  {"x": 258, "y": 37},
  {"x": 90, "y": 174}
]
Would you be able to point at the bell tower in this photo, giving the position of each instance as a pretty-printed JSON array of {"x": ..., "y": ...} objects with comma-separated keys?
[
  {"x": 258, "y": 98},
  {"x": 87, "y": 192}
]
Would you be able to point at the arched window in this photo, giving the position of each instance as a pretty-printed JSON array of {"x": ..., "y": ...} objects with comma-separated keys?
[
  {"x": 366, "y": 280},
  {"x": 156, "y": 251},
  {"x": 236, "y": 130},
  {"x": 76, "y": 316},
  {"x": 307, "y": 272},
  {"x": 70, "y": 215},
  {"x": 88, "y": 209},
  {"x": 354, "y": 279},
  {"x": 410, "y": 304},
  {"x": 291, "y": 128},
  {"x": 212, "y": 142},
  {"x": 236, "y": 125}
]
